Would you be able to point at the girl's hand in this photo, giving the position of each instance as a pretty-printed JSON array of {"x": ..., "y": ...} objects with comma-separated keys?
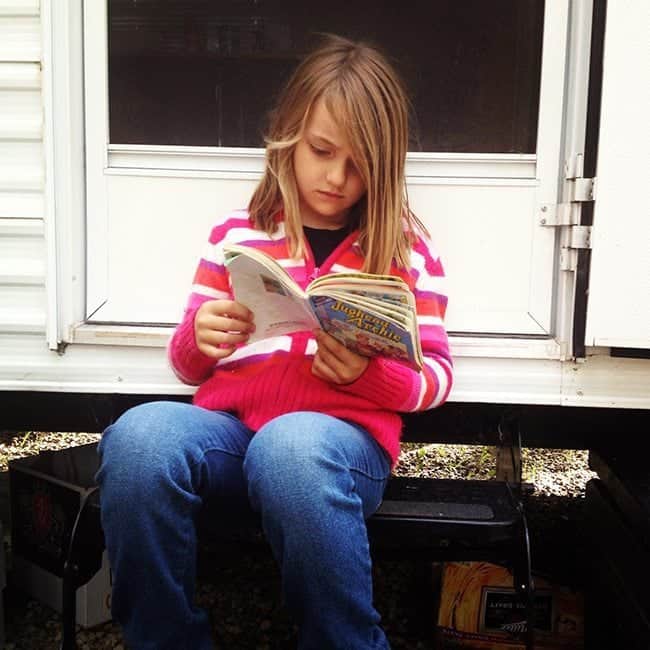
[
  {"x": 335, "y": 363},
  {"x": 219, "y": 325}
]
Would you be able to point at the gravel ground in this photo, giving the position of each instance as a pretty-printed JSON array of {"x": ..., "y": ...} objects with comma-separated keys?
[{"x": 248, "y": 614}]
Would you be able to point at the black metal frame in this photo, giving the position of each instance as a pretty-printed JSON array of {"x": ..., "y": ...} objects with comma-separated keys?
[{"x": 83, "y": 561}]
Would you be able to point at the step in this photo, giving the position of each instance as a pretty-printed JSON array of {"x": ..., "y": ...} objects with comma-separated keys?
[{"x": 425, "y": 512}]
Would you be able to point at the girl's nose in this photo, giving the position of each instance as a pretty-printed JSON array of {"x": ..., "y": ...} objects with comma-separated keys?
[{"x": 336, "y": 174}]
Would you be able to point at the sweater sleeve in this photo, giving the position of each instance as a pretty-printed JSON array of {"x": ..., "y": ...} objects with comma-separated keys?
[
  {"x": 391, "y": 383},
  {"x": 210, "y": 283}
]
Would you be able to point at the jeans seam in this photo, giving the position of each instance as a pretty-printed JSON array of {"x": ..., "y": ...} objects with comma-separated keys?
[
  {"x": 194, "y": 462},
  {"x": 369, "y": 476}
]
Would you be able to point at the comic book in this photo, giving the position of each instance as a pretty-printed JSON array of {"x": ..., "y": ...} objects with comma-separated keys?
[{"x": 370, "y": 314}]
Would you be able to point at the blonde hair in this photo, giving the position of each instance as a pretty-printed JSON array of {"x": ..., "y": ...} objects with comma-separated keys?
[{"x": 360, "y": 88}]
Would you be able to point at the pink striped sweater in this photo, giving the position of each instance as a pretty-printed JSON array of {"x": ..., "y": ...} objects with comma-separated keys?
[{"x": 268, "y": 378}]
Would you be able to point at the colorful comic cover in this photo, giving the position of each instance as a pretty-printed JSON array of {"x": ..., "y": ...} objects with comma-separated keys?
[{"x": 366, "y": 332}]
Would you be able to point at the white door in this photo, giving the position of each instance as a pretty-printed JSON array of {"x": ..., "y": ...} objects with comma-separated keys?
[
  {"x": 618, "y": 312},
  {"x": 173, "y": 111}
]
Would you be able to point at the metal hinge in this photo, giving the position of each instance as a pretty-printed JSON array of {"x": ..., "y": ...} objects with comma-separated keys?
[
  {"x": 579, "y": 190},
  {"x": 567, "y": 215},
  {"x": 557, "y": 215},
  {"x": 580, "y": 237}
]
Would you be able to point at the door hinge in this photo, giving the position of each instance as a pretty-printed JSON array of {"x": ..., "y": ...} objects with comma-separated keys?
[
  {"x": 567, "y": 215},
  {"x": 578, "y": 190},
  {"x": 581, "y": 189},
  {"x": 579, "y": 238},
  {"x": 557, "y": 215}
]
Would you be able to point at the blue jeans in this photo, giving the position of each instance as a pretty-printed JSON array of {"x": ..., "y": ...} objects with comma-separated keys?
[{"x": 313, "y": 479}]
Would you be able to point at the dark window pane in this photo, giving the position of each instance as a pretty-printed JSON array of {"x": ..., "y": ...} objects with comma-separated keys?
[{"x": 200, "y": 72}]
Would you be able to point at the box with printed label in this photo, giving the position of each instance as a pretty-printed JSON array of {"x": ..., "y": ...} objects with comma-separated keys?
[{"x": 480, "y": 610}]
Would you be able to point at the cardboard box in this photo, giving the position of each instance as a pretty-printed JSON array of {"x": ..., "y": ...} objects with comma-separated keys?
[
  {"x": 46, "y": 493},
  {"x": 480, "y": 610}
]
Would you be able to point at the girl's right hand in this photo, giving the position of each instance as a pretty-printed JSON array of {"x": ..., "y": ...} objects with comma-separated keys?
[{"x": 219, "y": 325}]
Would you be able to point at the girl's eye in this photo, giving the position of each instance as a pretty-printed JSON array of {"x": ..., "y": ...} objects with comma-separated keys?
[{"x": 318, "y": 151}]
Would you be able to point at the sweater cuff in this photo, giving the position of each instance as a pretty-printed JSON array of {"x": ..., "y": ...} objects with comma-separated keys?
[
  {"x": 390, "y": 384},
  {"x": 188, "y": 362}
]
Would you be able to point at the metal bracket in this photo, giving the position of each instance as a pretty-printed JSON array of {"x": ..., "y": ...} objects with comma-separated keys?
[
  {"x": 582, "y": 189},
  {"x": 580, "y": 237},
  {"x": 579, "y": 190},
  {"x": 556, "y": 215},
  {"x": 567, "y": 215}
]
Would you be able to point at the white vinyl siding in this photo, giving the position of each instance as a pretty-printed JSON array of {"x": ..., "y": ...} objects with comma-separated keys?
[{"x": 23, "y": 303}]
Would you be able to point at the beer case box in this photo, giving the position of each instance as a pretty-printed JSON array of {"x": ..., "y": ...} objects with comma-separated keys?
[
  {"x": 46, "y": 493},
  {"x": 480, "y": 610}
]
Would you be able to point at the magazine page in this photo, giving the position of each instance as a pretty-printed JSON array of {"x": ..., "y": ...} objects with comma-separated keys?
[
  {"x": 390, "y": 289},
  {"x": 369, "y": 279},
  {"x": 279, "y": 305},
  {"x": 397, "y": 312},
  {"x": 368, "y": 333}
]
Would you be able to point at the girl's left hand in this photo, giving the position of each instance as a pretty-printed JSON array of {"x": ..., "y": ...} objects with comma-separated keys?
[{"x": 334, "y": 362}]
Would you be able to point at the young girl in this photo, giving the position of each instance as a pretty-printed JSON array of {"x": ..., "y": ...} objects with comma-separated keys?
[{"x": 298, "y": 428}]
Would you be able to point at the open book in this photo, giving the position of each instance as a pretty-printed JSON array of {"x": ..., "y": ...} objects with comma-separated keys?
[{"x": 370, "y": 314}]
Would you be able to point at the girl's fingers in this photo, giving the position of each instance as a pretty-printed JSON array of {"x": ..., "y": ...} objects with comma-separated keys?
[
  {"x": 228, "y": 308},
  {"x": 226, "y": 324},
  {"x": 343, "y": 366},
  {"x": 217, "y": 353},
  {"x": 216, "y": 337},
  {"x": 225, "y": 316},
  {"x": 330, "y": 360},
  {"x": 322, "y": 370},
  {"x": 219, "y": 344},
  {"x": 330, "y": 345}
]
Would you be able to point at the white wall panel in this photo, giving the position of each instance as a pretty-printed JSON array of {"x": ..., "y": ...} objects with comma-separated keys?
[
  {"x": 157, "y": 228},
  {"x": 21, "y": 166},
  {"x": 28, "y": 365},
  {"x": 619, "y": 291},
  {"x": 21, "y": 148},
  {"x": 607, "y": 382},
  {"x": 21, "y": 115},
  {"x": 485, "y": 232},
  {"x": 21, "y": 205},
  {"x": 22, "y": 244},
  {"x": 22, "y": 256},
  {"x": 22, "y": 309},
  {"x": 26, "y": 76},
  {"x": 19, "y": 7},
  {"x": 20, "y": 38}
]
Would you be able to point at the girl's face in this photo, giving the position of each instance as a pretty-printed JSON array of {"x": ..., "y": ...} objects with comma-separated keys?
[{"x": 328, "y": 181}]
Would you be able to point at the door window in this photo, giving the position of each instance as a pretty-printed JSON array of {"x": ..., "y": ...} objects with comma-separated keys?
[{"x": 203, "y": 73}]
